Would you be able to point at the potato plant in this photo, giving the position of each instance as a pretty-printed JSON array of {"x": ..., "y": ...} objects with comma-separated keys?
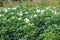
[{"x": 36, "y": 23}]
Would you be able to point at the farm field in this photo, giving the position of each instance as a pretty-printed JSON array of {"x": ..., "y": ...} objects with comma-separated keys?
[{"x": 30, "y": 23}]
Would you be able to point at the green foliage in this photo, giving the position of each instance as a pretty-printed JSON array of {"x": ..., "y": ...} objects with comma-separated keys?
[{"x": 21, "y": 23}]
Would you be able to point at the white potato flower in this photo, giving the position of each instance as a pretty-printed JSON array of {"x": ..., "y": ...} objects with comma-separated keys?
[
  {"x": 8, "y": 8},
  {"x": 36, "y": 7},
  {"x": 54, "y": 7},
  {"x": 1, "y": 15},
  {"x": 54, "y": 11},
  {"x": 48, "y": 7},
  {"x": 35, "y": 15},
  {"x": 31, "y": 16},
  {"x": 14, "y": 8},
  {"x": 26, "y": 20},
  {"x": 38, "y": 11},
  {"x": 12, "y": 13},
  {"x": 42, "y": 11},
  {"x": 29, "y": 9},
  {"x": 20, "y": 14},
  {"x": 26, "y": 12},
  {"x": 31, "y": 24},
  {"x": 13, "y": 17},
  {"x": 5, "y": 10},
  {"x": 19, "y": 18}
]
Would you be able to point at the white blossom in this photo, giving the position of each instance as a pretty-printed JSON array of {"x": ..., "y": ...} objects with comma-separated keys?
[
  {"x": 48, "y": 7},
  {"x": 8, "y": 8},
  {"x": 5, "y": 10},
  {"x": 13, "y": 17},
  {"x": 42, "y": 11},
  {"x": 29, "y": 9},
  {"x": 12, "y": 12},
  {"x": 19, "y": 18},
  {"x": 38, "y": 11},
  {"x": 31, "y": 16},
  {"x": 54, "y": 11},
  {"x": 20, "y": 14},
  {"x": 35, "y": 15},
  {"x": 36, "y": 7},
  {"x": 31, "y": 24},
  {"x": 1, "y": 15},
  {"x": 4, "y": 18},
  {"x": 54, "y": 7},
  {"x": 14, "y": 8},
  {"x": 26, "y": 20},
  {"x": 26, "y": 12}
]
